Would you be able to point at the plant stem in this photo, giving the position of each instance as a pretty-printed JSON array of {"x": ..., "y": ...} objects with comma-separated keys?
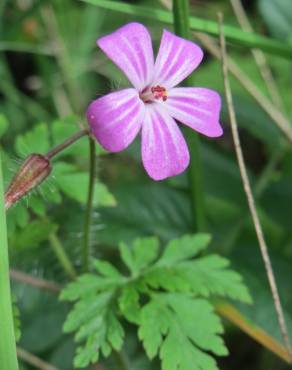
[
  {"x": 89, "y": 207},
  {"x": 181, "y": 26},
  {"x": 25, "y": 278},
  {"x": 249, "y": 194},
  {"x": 121, "y": 360},
  {"x": 59, "y": 148},
  {"x": 33, "y": 360},
  {"x": 62, "y": 256},
  {"x": 8, "y": 358}
]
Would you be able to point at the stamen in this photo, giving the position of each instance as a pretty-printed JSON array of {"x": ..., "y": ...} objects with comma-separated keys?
[
  {"x": 150, "y": 94},
  {"x": 159, "y": 92}
]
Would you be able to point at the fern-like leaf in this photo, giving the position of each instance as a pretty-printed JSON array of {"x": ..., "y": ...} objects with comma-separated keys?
[{"x": 165, "y": 296}]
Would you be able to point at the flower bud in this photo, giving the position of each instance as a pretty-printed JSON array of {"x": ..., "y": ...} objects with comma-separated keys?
[{"x": 35, "y": 169}]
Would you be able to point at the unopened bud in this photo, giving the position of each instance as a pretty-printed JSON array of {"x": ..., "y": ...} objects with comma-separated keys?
[{"x": 35, "y": 169}]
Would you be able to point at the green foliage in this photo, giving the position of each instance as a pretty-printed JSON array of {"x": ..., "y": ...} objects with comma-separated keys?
[
  {"x": 172, "y": 321},
  {"x": 32, "y": 235},
  {"x": 37, "y": 86},
  {"x": 33, "y": 141},
  {"x": 278, "y": 17},
  {"x": 74, "y": 184},
  {"x": 161, "y": 296},
  {"x": 67, "y": 179},
  {"x": 3, "y": 125},
  {"x": 232, "y": 33},
  {"x": 16, "y": 318}
]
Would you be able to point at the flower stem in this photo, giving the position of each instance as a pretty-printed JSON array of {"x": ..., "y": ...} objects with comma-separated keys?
[
  {"x": 89, "y": 207},
  {"x": 8, "y": 358},
  {"x": 182, "y": 28},
  {"x": 59, "y": 148}
]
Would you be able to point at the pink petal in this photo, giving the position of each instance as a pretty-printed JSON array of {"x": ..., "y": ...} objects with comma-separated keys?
[
  {"x": 164, "y": 150},
  {"x": 177, "y": 58},
  {"x": 197, "y": 108},
  {"x": 130, "y": 48},
  {"x": 116, "y": 118}
]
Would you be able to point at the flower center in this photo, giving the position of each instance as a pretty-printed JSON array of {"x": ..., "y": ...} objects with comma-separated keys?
[{"x": 150, "y": 94}]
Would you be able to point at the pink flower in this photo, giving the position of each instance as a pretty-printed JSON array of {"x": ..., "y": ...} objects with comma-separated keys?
[{"x": 154, "y": 103}]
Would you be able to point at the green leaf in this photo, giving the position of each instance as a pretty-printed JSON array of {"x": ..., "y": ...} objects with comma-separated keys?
[
  {"x": 7, "y": 338},
  {"x": 277, "y": 14},
  {"x": 153, "y": 326},
  {"x": 34, "y": 141},
  {"x": 160, "y": 297},
  {"x": 3, "y": 125},
  {"x": 172, "y": 321},
  {"x": 62, "y": 129},
  {"x": 94, "y": 318},
  {"x": 32, "y": 234},
  {"x": 210, "y": 275},
  {"x": 232, "y": 34},
  {"x": 129, "y": 302},
  {"x": 75, "y": 185},
  {"x": 16, "y": 318},
  {"x": 87, "y": 284},
  {"x": 177, "y": 270},
  {"x": 144, "y": 210},
  {"x": 187, "y": 247},
  {"x": 106, "y": 269},
  {"x": 144, "y": 251}
]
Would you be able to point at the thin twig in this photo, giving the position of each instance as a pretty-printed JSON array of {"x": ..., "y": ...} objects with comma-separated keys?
[
  {"x": 97, "y": 367},
  {"x": 33, "y": 360},
  {"x": 273, "y": 112},
  {"x": 259, "y": 55},
  {"x": 233, "y": 315},
  {"x": 22, "y": 277},
  {"x": 51, "y": 287},
  {"x": 89, "y": 206},
  {"x": 258, "y": 334},
  {"x": 121, "y": 360},
  {"x": 249, "y": 195}
]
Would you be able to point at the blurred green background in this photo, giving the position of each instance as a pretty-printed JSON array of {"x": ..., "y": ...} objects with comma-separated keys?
[{"x": 51, "y": 69}]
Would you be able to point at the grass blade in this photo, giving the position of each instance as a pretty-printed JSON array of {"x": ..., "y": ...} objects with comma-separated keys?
[
  {"x": 8, "y": 359},
  {"x": 232, "y": 34}
]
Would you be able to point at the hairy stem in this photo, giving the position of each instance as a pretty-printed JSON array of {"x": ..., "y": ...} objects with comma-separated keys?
[
  {"x": 8, "y": 358},
  {"x": 249, "y": 194},
  {"x": 89, "y": 207},
  {"x": 71, "y": 140},
  {"x": 61, "y": 255},
  {"x": 182, "y": 28}
]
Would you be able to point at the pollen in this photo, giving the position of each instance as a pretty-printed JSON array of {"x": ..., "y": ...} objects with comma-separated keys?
[
  {"x": 159, "y": 92},
  {"x": 150, "y": 94}
]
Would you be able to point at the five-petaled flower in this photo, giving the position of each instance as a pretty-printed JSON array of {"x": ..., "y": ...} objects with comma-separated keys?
[{"x": 154, "y": 103}]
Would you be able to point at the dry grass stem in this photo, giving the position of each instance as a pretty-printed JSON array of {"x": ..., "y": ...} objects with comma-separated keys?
[
  {"x": 259, "y": 56},
  {"x": 33, "y": 360},
  {"x": 37, "y": 282},
  {"x": 273, "y": 112},
  {"x": 249, "y": 195}
]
